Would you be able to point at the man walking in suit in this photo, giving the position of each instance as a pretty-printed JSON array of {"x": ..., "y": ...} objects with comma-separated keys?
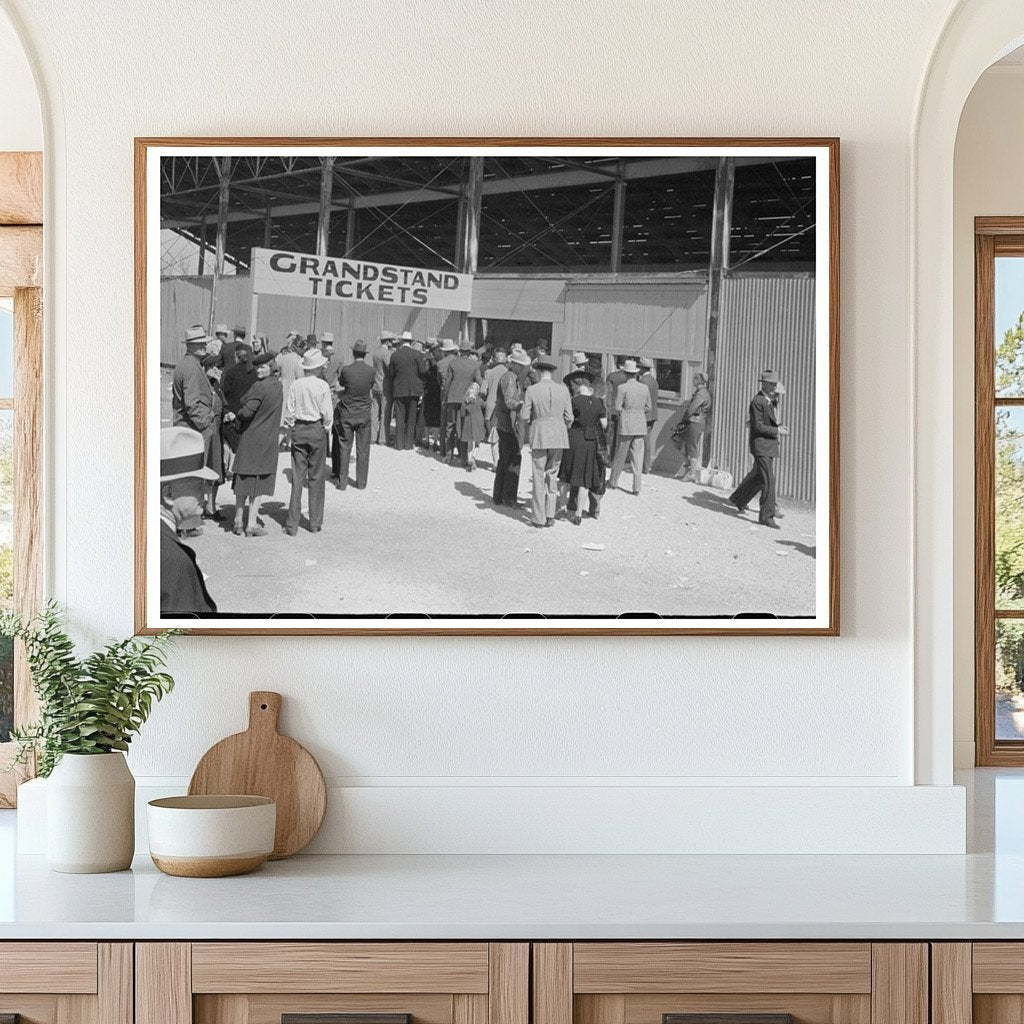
[
  {"x": 489, "y": 390},
  {"x": 547, "y": 411},
  {"x": 352, "y": 417},
  {"x": 648, "y": 379},
  {"x": 632, "y": 403},
  {"x": 765, "y": 431},
  {"x": 407, "y": 369},
  {"x": 448, "y": 351}
]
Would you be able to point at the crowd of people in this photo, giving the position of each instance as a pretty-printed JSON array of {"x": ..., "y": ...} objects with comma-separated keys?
[{"x": 239, "y": 404}]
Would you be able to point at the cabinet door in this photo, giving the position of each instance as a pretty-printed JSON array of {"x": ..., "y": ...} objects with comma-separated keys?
[
  {"x": 730, "y": 983},
  {"x": 65, "y": 983},
  {"x": 981, "y": 982},
  {"x": 332, "y": 983}
]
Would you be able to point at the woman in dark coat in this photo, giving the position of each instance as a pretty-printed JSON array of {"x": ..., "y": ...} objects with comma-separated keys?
[
  {"x": 235, "y": 385},
  {"x": 582, "y": 465},
  {"x": 432, "y": 403},
  {"x": 255, "y": 469}
]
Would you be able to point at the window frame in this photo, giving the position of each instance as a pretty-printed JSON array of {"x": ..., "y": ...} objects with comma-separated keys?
[
  {"x": 21, "y": 271},
  {"x": 993, "y": 237}
]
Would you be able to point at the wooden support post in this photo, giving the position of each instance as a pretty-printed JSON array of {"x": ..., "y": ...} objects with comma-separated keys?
[
  {"x": 721, "y": 228},
  {"x": 223, "y": 166},
  {"x": 255, "y": 307},
  {"x": 323, "y": 221},
  {"x": 469, "y": 228},
  {"x": 202, "y": 245},
  {"x": 350, "y": 228},
  {"x": 618, "y": 219}
]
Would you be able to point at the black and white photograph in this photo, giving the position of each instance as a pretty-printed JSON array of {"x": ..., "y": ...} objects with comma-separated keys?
[{"x": 400, "y": 386}]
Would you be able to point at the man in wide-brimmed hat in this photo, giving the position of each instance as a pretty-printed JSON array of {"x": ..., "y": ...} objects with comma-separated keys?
[
  {"x": 308, "y": 415},
  {"x": 183, "y": 472},
  {"x": 216, "y": 343},
  {"x": 650, "y": 381},
  {"x": 547, "y": 416},
  {"x": 691, "y": 427},
  {"x": 489, "y": 390},
  {"x": 463, "y": 370},
  {"x": 633, "y": 405},
  {"x": 407, "y": 369},
  {"x": 765, "y": 431},
  {"x": 579, "y": 373},
  {"x": 511, "y": 389},
  {"x": 352, "y": 417},
  {"x": 382, "y": 402},
  {"x": 192, "y": 403}
]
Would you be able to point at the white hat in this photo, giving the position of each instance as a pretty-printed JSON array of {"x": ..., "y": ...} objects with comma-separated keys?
[
  {"x": 406, "y": 336},
  {"x": 327, "y": 336},
  {"x": 518, "y": 356},
  {"x": 448, "y": 345},
  {"x": 313, "y": 359},
  {"x": 221, "y": 329},
  {"x": 629, "y": 366},
  {"x": 183, "y": 454},
  {"x": 580, "y": 359}
]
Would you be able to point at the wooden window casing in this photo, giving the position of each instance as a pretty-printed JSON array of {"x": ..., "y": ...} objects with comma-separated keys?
[{"x": 21, "y": 270}]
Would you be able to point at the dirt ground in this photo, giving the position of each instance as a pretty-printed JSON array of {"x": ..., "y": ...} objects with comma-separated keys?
[{"x": 424, "y": 538}]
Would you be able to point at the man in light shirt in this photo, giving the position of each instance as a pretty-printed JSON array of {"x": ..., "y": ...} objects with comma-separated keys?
[{"x": 308, "y": 414}]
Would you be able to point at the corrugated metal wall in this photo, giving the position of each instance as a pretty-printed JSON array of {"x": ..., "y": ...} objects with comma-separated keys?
[{"x": 767, "y": 323}]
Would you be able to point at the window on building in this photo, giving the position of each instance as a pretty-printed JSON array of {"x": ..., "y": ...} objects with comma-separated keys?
[
  {"x": 999, "y": 493},
  {"x": 669, "y": 374}
]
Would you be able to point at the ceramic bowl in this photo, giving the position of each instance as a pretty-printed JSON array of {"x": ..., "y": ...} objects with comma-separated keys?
[{"x": 211, "y": 836}]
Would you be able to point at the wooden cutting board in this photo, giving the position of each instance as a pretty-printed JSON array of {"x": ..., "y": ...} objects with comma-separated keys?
[{"x": 262, "y": 762}]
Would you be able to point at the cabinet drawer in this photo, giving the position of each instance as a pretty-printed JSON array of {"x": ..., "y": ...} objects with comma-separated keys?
[
  {"x": 730, "y": 983},
  {"x": 634, "y": 967},
  {"x": 66, "y": 982},
  {"x": 64, "y": 967},
  {"x": 340, "y": 967},
  {"x": 332, "y": 983}
]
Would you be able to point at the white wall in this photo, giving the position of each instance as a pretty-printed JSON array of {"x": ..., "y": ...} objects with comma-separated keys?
[
  {"x": 987, "y": 182},
  {"x": 21, "y": 126},
  {"x": 449, "y": 713}
]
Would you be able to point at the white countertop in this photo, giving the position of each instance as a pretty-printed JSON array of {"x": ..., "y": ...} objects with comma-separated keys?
[
  {"x": 516, "y": 897},
  {"x": 977, "y": 896}
]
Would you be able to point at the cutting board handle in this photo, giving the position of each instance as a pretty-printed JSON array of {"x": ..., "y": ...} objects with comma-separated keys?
[{"x": 264, "y": 710}]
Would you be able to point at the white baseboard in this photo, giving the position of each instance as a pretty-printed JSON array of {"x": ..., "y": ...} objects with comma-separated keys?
[{"x": 572, "y": 819}]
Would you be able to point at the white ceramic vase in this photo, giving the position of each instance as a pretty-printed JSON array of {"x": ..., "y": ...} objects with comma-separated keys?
[{"x": 90, "y": 814}]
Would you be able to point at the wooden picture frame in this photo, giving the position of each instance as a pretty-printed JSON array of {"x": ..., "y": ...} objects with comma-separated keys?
[{"x": 823, "y": 548}]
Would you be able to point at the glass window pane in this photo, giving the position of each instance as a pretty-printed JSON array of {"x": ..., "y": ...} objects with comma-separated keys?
[
  {"x": 1009, "y": 512},
  {"x": 6, "y": 353},
  {"x": 1009, "y": 679},
  {"x": 1009, "y": 326},
  {"x": 669, "y": 373},
  {"x": 6, "y": 567}
]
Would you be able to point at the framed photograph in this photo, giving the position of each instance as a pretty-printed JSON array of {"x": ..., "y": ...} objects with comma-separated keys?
[{"x": 499, "y": 386}]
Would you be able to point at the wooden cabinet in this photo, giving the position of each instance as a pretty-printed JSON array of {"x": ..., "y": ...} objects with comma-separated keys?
[
  {"x": 757, "y": 982},
  {"x": 66, "y": 982},
  {"x": 265, "y": 982},
  {"x": 978, "y": 983}
]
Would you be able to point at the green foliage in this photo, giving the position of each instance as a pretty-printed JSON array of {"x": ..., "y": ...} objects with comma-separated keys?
[
  {"x": 90, "y": 705},
  {"x": 1009, "y": 655},
  {"x": 1009, "y": 466}
]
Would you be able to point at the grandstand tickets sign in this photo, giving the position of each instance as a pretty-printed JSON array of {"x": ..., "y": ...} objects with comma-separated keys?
[{"x": 275, "y": 272}]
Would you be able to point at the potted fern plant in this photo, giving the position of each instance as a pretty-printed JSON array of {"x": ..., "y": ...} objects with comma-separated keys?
[{"x": 89, "y": 710}]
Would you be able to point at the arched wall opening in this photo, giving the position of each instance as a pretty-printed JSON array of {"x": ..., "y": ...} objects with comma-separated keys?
[{"x": 975, "y": 36}]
